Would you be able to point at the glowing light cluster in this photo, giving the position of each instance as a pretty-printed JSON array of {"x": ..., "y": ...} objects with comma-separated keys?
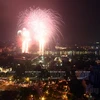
[
  {"x": 42, "y": 23},
  {"x": 25, "y": 35}
]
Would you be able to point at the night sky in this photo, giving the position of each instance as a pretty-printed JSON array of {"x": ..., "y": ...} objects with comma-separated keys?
[{"x": 81, "y": 18}]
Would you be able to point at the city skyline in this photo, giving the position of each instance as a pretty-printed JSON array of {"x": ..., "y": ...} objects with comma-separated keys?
[{"x": 81, "y": 18}]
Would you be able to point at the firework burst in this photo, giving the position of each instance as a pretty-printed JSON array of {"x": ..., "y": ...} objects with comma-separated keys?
[
  {"x": 25, "y": 37},
  {"x": 43, "y": 24}
]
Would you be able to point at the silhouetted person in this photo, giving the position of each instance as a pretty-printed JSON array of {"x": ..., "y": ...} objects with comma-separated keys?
[{"x": 76, "y": 87}]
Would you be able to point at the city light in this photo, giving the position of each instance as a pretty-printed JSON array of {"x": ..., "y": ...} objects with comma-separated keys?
[
  {"x": 42, "y": 98},
  {"x": 27, "y": 79}
]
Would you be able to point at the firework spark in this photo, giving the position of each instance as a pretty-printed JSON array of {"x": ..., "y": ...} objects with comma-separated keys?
[
  {"x": 25, "y": 35},
  {"x": 42, "y": 23}
]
